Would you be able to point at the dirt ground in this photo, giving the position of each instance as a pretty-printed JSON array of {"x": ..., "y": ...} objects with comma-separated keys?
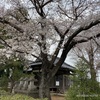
[{"x": 57, "y": 97}]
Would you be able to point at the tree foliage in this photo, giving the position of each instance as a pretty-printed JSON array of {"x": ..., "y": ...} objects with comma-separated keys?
[
  {"x": 86, "y": 88},
  {"x": 11, "y": 70}
]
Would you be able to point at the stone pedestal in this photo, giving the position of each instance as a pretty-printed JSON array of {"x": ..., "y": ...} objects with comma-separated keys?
[
  {"x": 31, "y": 85},
  {"x": 26, "y": 83},
  {"x": 27, "y": 86},
  {"x": 20, "y": 84}
]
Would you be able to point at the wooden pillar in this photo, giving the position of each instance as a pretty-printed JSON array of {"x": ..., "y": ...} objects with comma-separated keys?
[{"x": 63, "y": 84}]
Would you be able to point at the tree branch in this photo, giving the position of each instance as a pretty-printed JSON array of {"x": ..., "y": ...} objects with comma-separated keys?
[
  {"x": 5, "y": 43},
  {"x": 82, "y": 28},
  {"x": 65, "y": 13},
  {"x": 86, "y": 40},
  {"x": 38, "y": 8},
  {"x": 56, "y": 53},
  {"x": 57, "y": 30},
  {"x": 3, "y": 21},
  {"x": 19, "y": 51},
  {"x": 47, "y": 3}
]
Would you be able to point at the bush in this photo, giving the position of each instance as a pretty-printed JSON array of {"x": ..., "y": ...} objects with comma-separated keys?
[
  {"x": 76, "y": 94},
  {"x": 83, "y": 87},
  {"x": 4, "y": 82},
  {"x": 17, "y": 97},
  {"x": 7, "y": 96}
]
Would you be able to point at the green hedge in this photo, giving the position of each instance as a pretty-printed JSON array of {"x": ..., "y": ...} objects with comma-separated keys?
[{"x": 17, "y": 97}]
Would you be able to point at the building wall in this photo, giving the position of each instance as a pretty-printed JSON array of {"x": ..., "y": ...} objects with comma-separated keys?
[{"x": 60, "y": 83}]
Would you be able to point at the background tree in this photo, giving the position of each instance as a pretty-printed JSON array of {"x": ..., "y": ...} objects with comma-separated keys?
[
  {"x": 89, "y": 52},
  {"x": 37, "y": 24},
  {"x": 87, "y": 89},
  {"x": 12, "y": 70}
]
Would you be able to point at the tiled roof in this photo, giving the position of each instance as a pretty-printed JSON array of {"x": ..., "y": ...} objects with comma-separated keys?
[{"x": 64, "y": 65}]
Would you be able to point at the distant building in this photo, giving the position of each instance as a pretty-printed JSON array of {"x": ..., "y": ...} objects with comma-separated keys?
[
  {"x": 60, "y": 82},
  {"x": 30, "y": 85}
]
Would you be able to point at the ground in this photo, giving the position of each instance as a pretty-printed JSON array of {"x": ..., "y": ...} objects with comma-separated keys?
[{"x": 57, "y": 97}]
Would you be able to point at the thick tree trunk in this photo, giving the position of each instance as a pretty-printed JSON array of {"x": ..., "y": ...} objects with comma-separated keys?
[{"x": 44, "y": 88}]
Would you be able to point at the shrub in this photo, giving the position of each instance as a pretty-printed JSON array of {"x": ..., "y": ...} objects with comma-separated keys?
[
  {"x": 4, "y": 82},
  {"x": 17, "y": 97},
  {"x": 6, "y": 96},
  {"x": 83, "y": 87}
]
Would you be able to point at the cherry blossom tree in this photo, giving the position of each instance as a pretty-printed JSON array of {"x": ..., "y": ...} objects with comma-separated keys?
[{"x": 35, "y": 25}]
